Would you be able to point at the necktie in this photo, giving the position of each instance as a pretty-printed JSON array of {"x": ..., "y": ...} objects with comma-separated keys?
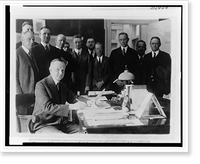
[
  {"x": 154, "y": 55},
  {"x": 141, "y": 58},
  {"x": 57, "y": 85},
  {"x": 79, "y": 53},
  {"x": 47, "y": 48},
  {"x": 59, "y": 91},
  {"x": 99, "y": 60},
  {"x": 30, "y": 55},
  {"x": 123, "y": 51}
]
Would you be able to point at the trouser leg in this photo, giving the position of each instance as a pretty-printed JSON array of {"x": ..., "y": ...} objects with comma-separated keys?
[
  {"x": 69, "y": 128},
  {"x": 48, "y": 129}
]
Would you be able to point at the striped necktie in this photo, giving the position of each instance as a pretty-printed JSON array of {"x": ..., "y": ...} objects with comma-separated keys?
[{"x": 123, "y": 51}]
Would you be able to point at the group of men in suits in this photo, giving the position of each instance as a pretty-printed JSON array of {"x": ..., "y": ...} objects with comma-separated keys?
[
  {"x": 152, "y": 69},
  {"x": 41, "y": 66}
]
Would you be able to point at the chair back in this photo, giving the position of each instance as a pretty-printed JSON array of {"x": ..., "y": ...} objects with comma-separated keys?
[{"x": 24, "y": 109}]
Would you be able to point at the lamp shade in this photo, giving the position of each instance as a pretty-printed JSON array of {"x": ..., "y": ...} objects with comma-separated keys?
[{"x": 125, "y": 76}]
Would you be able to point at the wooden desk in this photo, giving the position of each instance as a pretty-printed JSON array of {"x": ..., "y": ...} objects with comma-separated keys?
[{"x": 149, "y": 126}]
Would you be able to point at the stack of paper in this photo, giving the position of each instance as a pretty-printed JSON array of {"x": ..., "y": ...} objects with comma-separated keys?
[
  {"x": 104, "y": 117},
  {"x": 109, "y": 122}
]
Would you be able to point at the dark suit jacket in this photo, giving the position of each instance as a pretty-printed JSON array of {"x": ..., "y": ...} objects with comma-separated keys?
[
  {"x": 158, "y": 73},
  {"x": 139, "y": 72},
  {"x": 117, "y": 62},
  {"x": 100, "y": 72},
  {"x": 26, "y": 75},
  {"x": 44, "y": 58},
  {"x": 92, "y": 57},
  {"x": 82, "y": 72},
  {"x": 49, "y": 105}
]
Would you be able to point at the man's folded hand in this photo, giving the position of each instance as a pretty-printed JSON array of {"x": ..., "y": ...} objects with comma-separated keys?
[{"x": 77, "y": 105}]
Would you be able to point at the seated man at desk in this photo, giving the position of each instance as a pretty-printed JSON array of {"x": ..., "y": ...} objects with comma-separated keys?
[{"x": 54, "y": 101}]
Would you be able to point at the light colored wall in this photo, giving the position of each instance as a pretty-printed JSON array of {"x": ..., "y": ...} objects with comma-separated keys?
[
  {"x": 163, "y": 30},
  {"x": 144, "y": 34}
]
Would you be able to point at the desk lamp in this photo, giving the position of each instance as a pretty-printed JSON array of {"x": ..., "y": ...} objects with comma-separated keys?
[{"x": 127, "y": 78}]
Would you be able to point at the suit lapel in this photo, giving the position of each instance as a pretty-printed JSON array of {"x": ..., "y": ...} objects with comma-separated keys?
[
  {"x": 34, "y": 60},
  {"x": 83, "y": 55},
  {"x": 96, "y": 62},
  {"x": 53, "y": 87},
  {"x": 120, "y": 53},
  {"x": 42, "y": 48},
  {"x": 76, "y": 57},
  {"x": 26, "y": 58},
  {"x": 62, "y": 95}
]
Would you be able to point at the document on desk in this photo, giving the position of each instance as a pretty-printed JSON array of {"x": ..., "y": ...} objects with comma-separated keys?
[
  {"x": 107, "y": 117},
  {"x": 109, "y": 122},
  {"x": 100, "y": 114}
]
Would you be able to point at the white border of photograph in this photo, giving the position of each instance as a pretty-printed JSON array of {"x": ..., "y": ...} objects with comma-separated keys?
[{"x": 18, "y": 12}]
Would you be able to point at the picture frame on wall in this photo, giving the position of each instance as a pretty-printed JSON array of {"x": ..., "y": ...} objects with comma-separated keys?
[{"x": 38, "y": 24}]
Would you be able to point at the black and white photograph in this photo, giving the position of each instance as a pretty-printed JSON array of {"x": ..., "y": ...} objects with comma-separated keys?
[{"x": 105, "y": 76}]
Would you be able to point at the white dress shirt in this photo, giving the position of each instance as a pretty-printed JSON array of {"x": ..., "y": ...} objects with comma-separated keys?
[
  {"x": 44, "y": 45},
  {"x": 58, "y": 47},
  {"x": 155, "y": 52},
  {"x": 55, "y": 81},
  {"x": 78, "y": 51},
  {"x": 100, "y": 58},
  {"x": 124, "y": 48},
  {"x": 91, "y": 52},
  {"x": 25, "y": 49}
]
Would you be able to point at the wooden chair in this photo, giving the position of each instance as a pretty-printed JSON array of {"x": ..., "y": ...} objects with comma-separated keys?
[
  {"x": 33, "y": 119},
  {"x": 24, "y": 109}
]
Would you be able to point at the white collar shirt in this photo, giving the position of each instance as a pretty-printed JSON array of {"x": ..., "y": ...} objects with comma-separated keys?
[
  {"x": 44, "y": 45},
  {"x": 91, "y": 52},
  {"x": 99, "y": 59},
  {"x": 140, "y": 56},
  {"x": 156, "y": 52},
  {"x": 58, "y": 47},
  {"x": 25, "y": 49},
  {"x": 55, "y": 81},
  {"x": 124, "y": 48},
  {"x": 78, "y": 51}
]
